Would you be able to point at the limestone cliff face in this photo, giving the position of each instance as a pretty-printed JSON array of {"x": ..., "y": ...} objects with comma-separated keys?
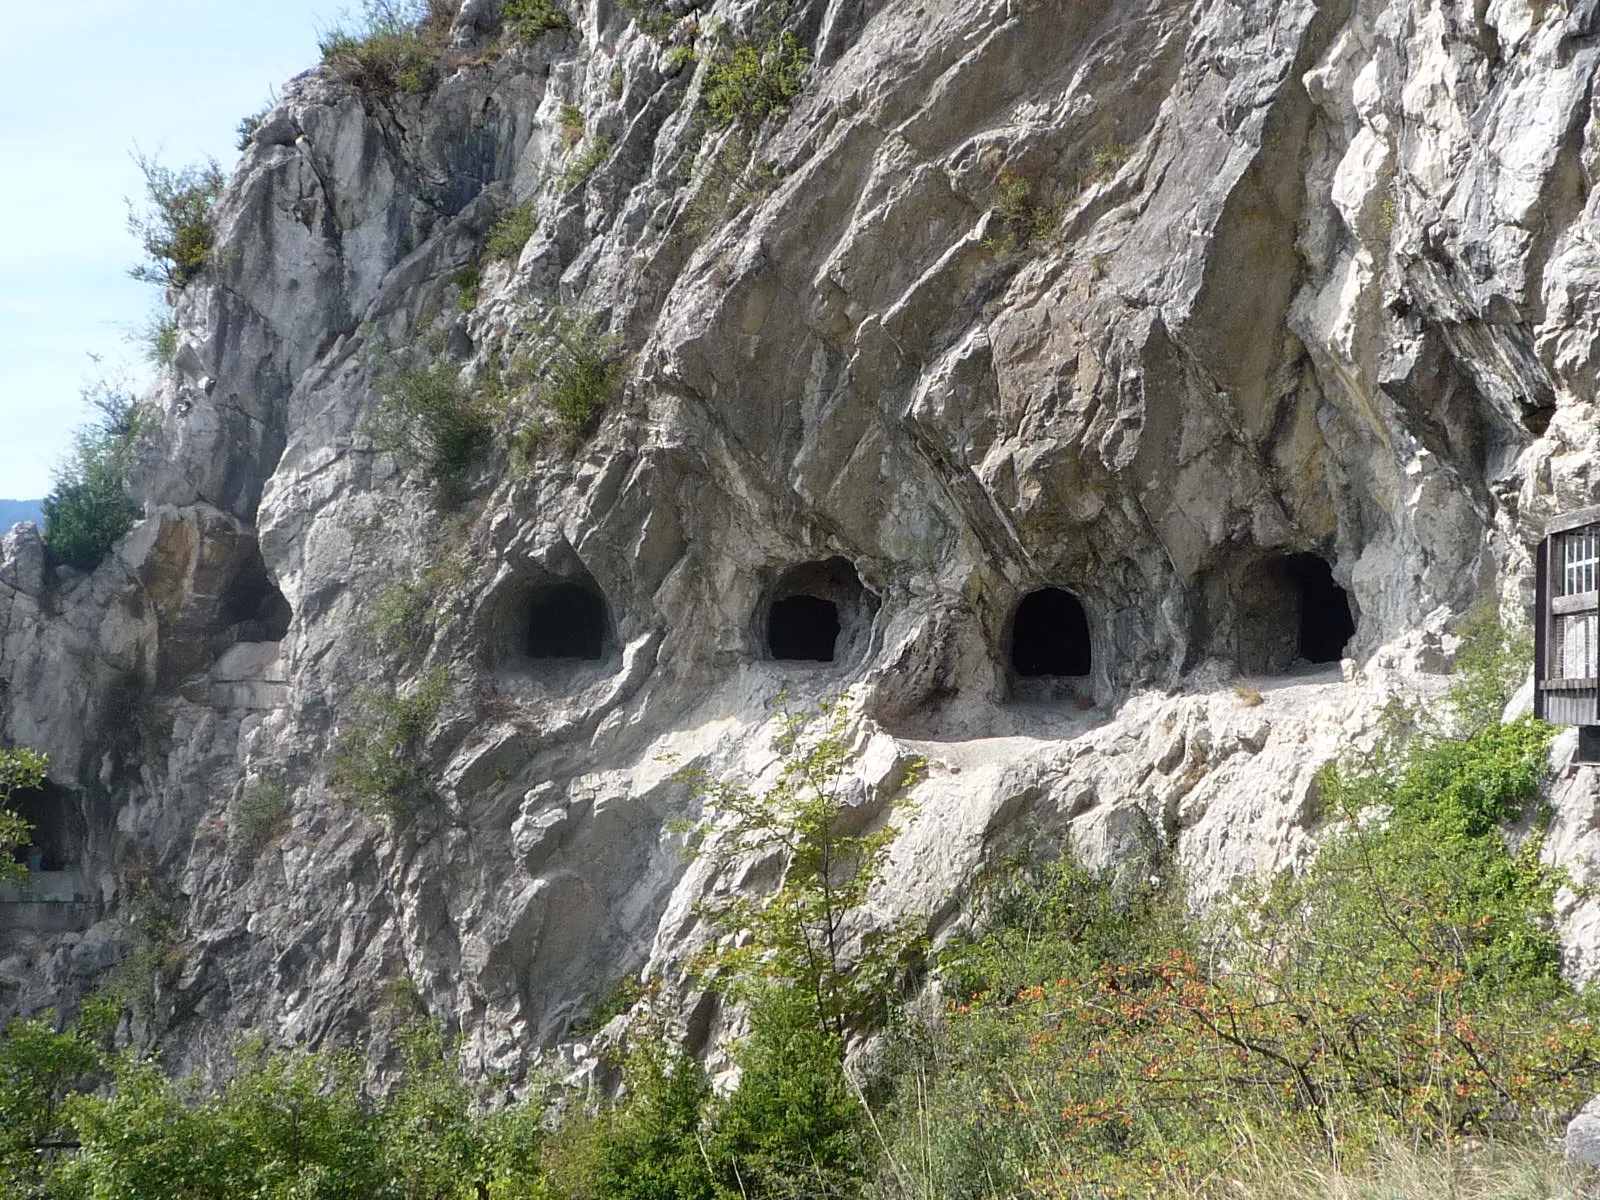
[{"x": 1137, "y": 299}]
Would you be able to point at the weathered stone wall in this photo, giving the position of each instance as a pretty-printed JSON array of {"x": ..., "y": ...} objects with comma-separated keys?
[{"x": 1133, "y": 299}]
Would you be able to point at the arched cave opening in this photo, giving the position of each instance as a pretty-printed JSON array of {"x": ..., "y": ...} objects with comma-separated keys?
[
  {"x": 818, "y": 612},
  {"x": 1326, "y": 622},
  {"x": 803, "y": 629},
  {"x": 567, "y": 620},
  {"x": 59, "y": 835},
  {"x": 1050, "y": 636},
  {"x": 255, "y": 609}
]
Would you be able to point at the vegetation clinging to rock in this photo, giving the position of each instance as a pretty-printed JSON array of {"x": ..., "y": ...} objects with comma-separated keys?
[
  {"x": 395, "y": 48},
  {"x": 174, "y": 228},
  {"x": 378, "y": 763},
  {"x": 527, "y": 20},
  {"x": 511, "y": 233},
  {"x": 747, "y": 80},
  {"x": 89, "y": 508},
  {"x": 427, "y": 419},
  {"x": 21, "y": 770}
]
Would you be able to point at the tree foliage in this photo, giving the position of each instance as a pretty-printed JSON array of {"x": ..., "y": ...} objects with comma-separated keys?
[
  {"x": 89, "y": 508},
  {"x": 174, "y": 227},
  {"x": 21, "y": 770},
  {"x": 795, "y": 935}
]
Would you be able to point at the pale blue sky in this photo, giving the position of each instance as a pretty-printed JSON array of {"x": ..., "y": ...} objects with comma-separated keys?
[{"x": 82, "y": 82}]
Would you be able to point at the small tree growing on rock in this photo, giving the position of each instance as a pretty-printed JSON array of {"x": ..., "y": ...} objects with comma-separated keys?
[{"x": 794, "y": 935}]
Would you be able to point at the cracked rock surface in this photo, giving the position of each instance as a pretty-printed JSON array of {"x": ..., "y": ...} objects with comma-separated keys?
[{"x": 1137, "y": 299}]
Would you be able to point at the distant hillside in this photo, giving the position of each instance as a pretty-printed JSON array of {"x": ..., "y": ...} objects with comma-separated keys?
[{"x": 12, "y": 511}]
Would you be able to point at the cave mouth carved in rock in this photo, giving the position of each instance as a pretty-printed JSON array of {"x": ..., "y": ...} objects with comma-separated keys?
[
  {"x": 1326, "y": 624},
  {"x": 1050, "y": 636},
  {"x": 568, "y": 620},
  {"x": 818, "y": 612},
  {"x": 1288, "y": 608}
]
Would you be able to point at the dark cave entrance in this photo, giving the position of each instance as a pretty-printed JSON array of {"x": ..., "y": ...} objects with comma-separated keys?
[
  {"x": 803, "y": 629},
  {"x": 1050, "y": 636},
  {"x": 818, "y": 612},
  {"x": 1326, "y": 623},
  {"x": 568, "y": 620},
  {"x": 59, "y": 835},
  {"x": 255, "y": 609}
]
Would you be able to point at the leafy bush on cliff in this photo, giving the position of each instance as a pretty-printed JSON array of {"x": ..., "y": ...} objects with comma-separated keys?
[
  {"x": 395, "y": 48},
  {"x": 511, "y": 233},
  {"x": 175, "y": 227},
  {"x": 21, "y": 770},
  {"x": 527, "y": 20},
  {"x": 427, "y": 419},
  {"x": 89, "y": 508},
  {"x": 749, "y": 79},
  {"x": 378, "y": 761},
  {"x": 578, "y": 371}
]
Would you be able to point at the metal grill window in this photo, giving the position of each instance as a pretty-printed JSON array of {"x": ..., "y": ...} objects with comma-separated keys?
[
  {"x": 1581, "y": 562},
  {"x": 1576, "y": 646}
]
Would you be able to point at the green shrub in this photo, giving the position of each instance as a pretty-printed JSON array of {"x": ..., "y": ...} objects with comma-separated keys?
[
  {"x": 378, "y": 762},
  {"x": 426, "y": 419},
  {"x": 174, "y": 229},
  {"x": 528, "y": 20},
  {"x": 1490, "y": 665},
  {"x": 584, "y": 161},
  {"x": 40, "y": 1069},
  {"x": 399, "y": 619},
  {"x": 160, "y": 339},
  {"x": 256, "y": 816},
  {"x": 1025, "y": 217},
  {"x": 1104, "y": 161},
  {"x": 580, "y": 370},
  {"x": 727, "y": 181},
  {"x": 395, "y": 48},
  {"x": 248, "y": 127},
  {"x": 793, "y": 1126},
  {"x": 571, "y": 124},
  {"x": 21, "y": 770},
  {"x": 652, "y": 17},
  {"x": 511, "y": 233},
  {"x": 89, "y": 508},
  {"x": 649, "y": 1145},
  {"x": 747, "y": 81},
  {"x": 466, "y": 283},
  {"x": 795, "y": 932}
]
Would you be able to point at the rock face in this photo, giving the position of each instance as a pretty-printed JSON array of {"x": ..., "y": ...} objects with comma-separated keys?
[{"x": 1235, "y": 320}]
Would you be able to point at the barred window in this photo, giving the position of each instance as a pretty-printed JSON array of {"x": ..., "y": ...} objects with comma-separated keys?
[{"x": 1580, "y": 561}]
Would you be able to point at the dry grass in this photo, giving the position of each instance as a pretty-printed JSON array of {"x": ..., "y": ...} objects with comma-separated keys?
[
  {"x": 1248, "y": 696},
  {"x": 1468, "y": 1171}
]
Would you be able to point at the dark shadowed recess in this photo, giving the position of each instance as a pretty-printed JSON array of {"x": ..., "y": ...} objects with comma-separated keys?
[
  {"x": 1050, "y": 636},
  {"x": 1326, "y": 623},
  {"x": 567, "y": 620}
]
